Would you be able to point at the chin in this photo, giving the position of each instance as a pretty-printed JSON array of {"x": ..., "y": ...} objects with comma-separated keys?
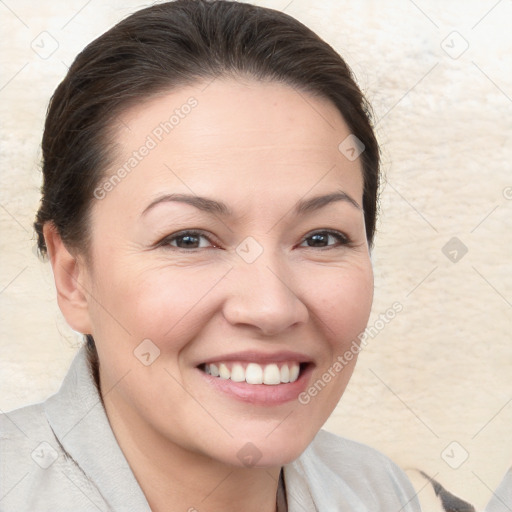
[{"x": 270, "y": 452}]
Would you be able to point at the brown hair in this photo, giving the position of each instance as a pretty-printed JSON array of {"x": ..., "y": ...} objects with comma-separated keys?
[{"x": 170, "y": 45}]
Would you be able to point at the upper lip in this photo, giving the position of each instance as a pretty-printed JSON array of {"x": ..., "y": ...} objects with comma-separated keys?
[{"x": 260, "y": 357}]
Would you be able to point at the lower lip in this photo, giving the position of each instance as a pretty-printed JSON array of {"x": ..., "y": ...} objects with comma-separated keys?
[{"x": 261, "y": 394}]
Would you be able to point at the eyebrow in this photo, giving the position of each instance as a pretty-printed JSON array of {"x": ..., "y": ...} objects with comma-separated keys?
[{"x": 218, "y": 207}]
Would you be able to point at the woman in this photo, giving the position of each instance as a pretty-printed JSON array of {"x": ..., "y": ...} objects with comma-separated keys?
[{"x": 208, "y": 207}]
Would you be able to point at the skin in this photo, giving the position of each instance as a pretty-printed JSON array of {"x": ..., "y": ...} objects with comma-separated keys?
[{"x": 259, "y": 148}]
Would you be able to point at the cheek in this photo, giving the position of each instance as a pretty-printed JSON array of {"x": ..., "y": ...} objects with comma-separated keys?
[
  {"x": 343, "y": 301},
  {"x": 160, "y": 303}
]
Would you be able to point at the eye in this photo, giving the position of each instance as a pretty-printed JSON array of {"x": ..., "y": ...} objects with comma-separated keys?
[
  {"x": 192, "y": 239},
  {"x": 321, "y": 239},
  {"x": 187, "y": 240}
]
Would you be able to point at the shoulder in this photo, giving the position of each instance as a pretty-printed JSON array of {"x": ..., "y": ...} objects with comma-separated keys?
[
  {"x": 502, "y": 497},
  {"x": 19, "y": 426},
  {"x": 36, "y": 473},
  {"x": 361, "y": 475},
  {"x": 26, "y": 442}
]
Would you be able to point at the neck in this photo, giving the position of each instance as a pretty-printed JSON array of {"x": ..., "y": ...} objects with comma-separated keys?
[{"x": 175, "y": 479}]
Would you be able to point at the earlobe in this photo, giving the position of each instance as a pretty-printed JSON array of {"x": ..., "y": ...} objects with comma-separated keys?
[{"x": 68, "y": 273}]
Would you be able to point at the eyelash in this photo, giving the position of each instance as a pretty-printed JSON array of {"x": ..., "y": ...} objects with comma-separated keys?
[{"x": 342, "y": 239}]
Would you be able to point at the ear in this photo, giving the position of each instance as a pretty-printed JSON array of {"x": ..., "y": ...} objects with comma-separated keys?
[{"x": 70, "y": 281}]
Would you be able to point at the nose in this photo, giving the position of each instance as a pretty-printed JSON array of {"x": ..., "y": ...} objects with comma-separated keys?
[{"x": 263, "y": 295}]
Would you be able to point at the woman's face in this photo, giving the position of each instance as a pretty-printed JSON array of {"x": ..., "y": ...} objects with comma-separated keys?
[{"x": 210, "y": 250}]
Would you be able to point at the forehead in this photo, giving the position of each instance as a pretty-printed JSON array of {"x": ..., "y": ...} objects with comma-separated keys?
[{"x": 233, "y": 137}]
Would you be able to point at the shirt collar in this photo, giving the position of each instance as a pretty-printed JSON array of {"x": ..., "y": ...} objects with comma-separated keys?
[{"x": 79, "y": 421}]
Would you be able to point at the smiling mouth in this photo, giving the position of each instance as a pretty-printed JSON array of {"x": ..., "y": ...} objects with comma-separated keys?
[{"x": 253, "y": 373}]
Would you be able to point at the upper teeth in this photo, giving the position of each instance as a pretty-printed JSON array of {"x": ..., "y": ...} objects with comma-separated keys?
[{"x": 255, "y": 373}]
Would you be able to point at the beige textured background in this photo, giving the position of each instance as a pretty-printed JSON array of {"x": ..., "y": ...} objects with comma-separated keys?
[{"x": 441, "y": 370}]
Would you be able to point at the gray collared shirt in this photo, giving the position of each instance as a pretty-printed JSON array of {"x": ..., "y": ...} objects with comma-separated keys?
[
  {"x": 501, "y": 500},
  {"x": 61, "y": 455}
]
